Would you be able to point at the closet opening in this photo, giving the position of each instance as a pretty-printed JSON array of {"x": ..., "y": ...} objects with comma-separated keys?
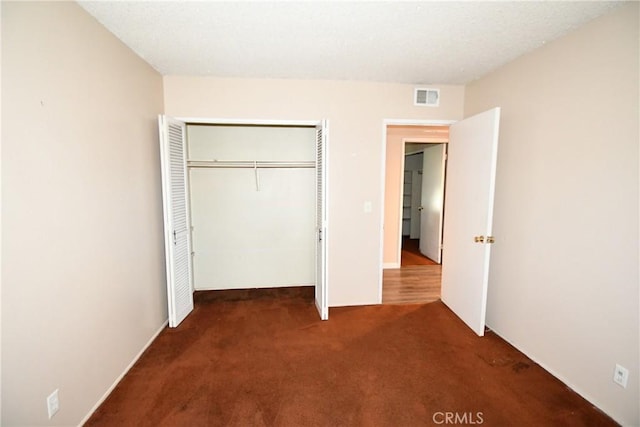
[
  {"x": 252, "y": 206},
  {"x": 255, "y": 202}
]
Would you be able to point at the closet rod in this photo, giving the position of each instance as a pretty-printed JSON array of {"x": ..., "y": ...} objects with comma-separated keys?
[{"x": 250, "y": 164}]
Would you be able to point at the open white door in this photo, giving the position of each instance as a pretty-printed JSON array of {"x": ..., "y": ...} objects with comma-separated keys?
[
  {"x": 177, "y": 236},
  {"x": 322, "y": 298},
  {"x": 432, "y": 201},
  {"x": 416, "y": 198},
  {"x": 471, "y": 172}
]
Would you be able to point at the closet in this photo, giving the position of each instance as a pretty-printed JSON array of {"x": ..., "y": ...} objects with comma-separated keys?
[
  {"x": 245, "y": 207},
  {"x": 252, "y": 206}
]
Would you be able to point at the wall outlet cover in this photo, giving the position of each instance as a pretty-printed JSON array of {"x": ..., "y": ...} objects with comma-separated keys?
[
  {"x": 621, "y": 376},
  {"x": 53, "y": 403}
]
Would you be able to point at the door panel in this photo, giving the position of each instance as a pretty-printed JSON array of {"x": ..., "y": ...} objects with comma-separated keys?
[
  {"x": 431, "y": 213},
  {"x": 471, "y": 170},
  {"x": 176, "y": 219},
  {"x": 416, "y": 198},
  {"x": 321, "y": 297}
]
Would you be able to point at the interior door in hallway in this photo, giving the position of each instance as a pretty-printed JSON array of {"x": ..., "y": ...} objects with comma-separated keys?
[
  {"x": 471, "y": 171},
  {"x": 432, "y": 201}
]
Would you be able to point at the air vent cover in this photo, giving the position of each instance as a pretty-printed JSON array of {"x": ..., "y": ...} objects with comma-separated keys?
[{"x": 426, "y": 97}]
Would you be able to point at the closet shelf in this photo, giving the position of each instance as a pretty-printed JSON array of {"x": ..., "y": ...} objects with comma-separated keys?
[{"x": 249, "y": 164}]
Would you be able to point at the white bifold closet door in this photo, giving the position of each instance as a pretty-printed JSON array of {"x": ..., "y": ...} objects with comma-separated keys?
[
  {"x": 322, "y": 297},
  {"x": 177, "y": 236}
]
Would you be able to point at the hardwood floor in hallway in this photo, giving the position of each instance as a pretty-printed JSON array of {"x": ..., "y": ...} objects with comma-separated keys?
[
  {"x": 413, "y": 284},
  {"x": 417, "y": 281},
  {"x": 410, "y": 254}
]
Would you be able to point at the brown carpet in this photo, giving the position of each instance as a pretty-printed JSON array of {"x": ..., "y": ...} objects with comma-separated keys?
[{"x": 263, "y": 358}]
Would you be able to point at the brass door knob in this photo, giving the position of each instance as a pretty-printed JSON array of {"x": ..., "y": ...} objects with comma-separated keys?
[{"x": 478, "y": 239}]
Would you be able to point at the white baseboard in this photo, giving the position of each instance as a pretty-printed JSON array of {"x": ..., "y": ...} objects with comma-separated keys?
[
  {"x": 562, "y": 378},
  {"x": 244, "y": 287},
  {"x": 126, "y": 370},
  {"x": 391, "y": 265}
]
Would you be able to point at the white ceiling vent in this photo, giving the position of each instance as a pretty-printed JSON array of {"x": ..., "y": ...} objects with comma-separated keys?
[{"x": 426, "y": 97}]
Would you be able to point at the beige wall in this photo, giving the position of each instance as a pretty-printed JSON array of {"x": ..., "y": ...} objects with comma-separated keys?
[
  {"x": 82, "y": 268},
  {"x": 396, "y": 135},
  {"x": 356, "y": 111},
  {"x": 564, "y": 269}
]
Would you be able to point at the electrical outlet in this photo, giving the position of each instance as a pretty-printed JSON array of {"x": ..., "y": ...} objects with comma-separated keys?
[
  {"x": 621, "y": 376},
  {"x": 53, "y": 403}
]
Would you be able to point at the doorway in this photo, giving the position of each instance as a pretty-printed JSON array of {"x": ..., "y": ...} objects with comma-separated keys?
[
  {"x": 413, "y": 216},
  {"x": 468, "y": 224},
  {"x": 422, "y": 207},
  {"x": 410, "y": 253}
]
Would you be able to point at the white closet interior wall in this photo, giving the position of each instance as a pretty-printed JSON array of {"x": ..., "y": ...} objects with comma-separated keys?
[{"x": 245, "y": 236}]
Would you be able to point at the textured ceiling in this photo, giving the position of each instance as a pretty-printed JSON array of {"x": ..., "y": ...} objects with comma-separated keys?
[{"x": 406, "y": 42}]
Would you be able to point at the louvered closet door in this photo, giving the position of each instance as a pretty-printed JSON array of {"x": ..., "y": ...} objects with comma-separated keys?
[
  {"x": 176, "y": 219},
  {"x": 322, "y": 299}
]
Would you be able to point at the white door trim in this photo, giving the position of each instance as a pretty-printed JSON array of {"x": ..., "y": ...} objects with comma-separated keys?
[
  {"x": 383, "y": 175},
  {"x": 263, "y": 122}
]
